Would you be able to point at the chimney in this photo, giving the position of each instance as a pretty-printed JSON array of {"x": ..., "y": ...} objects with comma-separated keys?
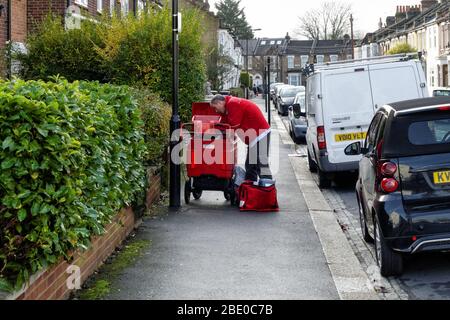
[
  {"x": 427, "y": 4},
  {"x": 390, "y": 21}
]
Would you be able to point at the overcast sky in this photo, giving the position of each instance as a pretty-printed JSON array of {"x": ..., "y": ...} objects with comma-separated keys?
[{"x": 275, "y": 18}]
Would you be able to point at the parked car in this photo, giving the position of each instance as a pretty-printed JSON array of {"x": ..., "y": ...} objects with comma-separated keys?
[
  {"x": 403, "y": 187},
  {"x": 297, "y": 119},
  {"x": 286, "y": 98},
  {"x": 341, "y": 100},
  {"x": 277, "y": 89},
  {"x": 444, "y": 91},
  {"x": 272, "y": 89}
]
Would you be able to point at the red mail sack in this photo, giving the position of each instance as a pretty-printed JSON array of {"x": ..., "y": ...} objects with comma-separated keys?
[{"x": 257, "y": 198}]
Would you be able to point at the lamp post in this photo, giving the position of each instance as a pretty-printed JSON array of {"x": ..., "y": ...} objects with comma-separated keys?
[
  {"x": 246, "y": 62},
  {"x": 353, "y": 42},
  {"x": 175, "y": 122}
]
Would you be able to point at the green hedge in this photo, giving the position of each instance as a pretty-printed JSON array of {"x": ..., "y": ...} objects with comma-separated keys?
[
  {"x": 246, "y": 80},
  {"x": 71, "y": 156},
  {"x": 156, "y": 116},
  {"x": 135, "y": 51},
  {"x": 237, "y": 92}
]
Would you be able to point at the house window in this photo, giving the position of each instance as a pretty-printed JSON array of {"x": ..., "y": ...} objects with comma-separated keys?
[
  {"x": 304, "y": 60},
  {"x": 320, "y": 58},
  {"x": 272, "y": 42},
  {"x": 333, "y": 57},
  {"x": 279, "y": 42},
  {"x": 290, "y": 62},
  {"x": 250, "y": 61},
  {"x": 100, "y": 6},
  {"x": 83, "y": 3},
  {"x": 263, "y": 43},
  {"x": 125, "y": 7},
  {"x": 294, "y": 79}
]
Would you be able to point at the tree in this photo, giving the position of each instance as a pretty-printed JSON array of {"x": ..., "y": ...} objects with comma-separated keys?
[
  {"x": 234, "y": 19},
  {"x": 401, "y": 48},
  {"x": 329, "y": 22}
]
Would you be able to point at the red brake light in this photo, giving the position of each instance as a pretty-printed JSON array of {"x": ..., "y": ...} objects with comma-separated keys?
[
  {"x": 388, "y": 169},
  {"x": 389, "y": 185},
  {"x": 321, "y": 138},
  {"x": 445, "y": 108}
]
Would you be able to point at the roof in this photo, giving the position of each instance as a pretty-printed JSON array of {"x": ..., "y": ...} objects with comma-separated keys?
[
  {"x": 415, "y": 21},
  {"x": 419, "y": 103},
  {"x": 322, "y": 47}
]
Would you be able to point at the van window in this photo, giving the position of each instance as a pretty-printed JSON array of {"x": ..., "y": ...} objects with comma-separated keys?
[{"x": 429, "y": 132}]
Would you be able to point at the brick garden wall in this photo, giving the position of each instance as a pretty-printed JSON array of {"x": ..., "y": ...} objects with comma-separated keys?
[{"x": 52, "y": 283}]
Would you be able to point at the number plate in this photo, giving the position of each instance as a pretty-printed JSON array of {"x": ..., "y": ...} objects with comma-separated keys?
[
  {"x": 350, "y": 136},
  {"x": 441, "y": 177}
]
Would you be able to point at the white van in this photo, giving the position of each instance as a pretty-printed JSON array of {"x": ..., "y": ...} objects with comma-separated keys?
[{"x": 341, "y": 99}]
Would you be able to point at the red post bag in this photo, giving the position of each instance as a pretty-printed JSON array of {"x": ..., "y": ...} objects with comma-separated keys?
[{"x": 258, "y": 198}]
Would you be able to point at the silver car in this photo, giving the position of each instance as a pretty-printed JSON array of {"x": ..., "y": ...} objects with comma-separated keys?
[{"x": 297, "y": 118}]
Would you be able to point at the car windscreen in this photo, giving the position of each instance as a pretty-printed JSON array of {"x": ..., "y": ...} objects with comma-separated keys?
[
  {"x": 418, "y": 134},
  {"x": 290, "y": 92}
]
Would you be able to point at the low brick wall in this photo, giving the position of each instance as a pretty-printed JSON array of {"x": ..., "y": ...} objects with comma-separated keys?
[{"x": 52, "y": 284}]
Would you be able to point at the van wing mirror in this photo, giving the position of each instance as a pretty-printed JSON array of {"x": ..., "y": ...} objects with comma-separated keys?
[
  {"x": 354, "y": 149},
  {"x": 297, "y": 110}
]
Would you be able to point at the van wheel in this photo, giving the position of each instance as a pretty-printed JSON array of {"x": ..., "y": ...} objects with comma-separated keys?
[
  {"x": 311, "y": 164},
  {"x": 362, "y": 220},
  {"x": 324, "y": 181},
  {"x": 389, "y": 261}
]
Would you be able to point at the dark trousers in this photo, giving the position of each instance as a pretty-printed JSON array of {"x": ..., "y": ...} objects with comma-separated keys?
[{"x": 257, "y": 157}]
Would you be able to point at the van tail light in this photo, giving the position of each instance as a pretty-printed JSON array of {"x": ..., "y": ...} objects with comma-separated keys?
[
  {"x": 389, "y": 185},
  {"x": 388, "y": 172},
  {"x": 444, "y": 108},
  {"x": 321, "y": 138}
]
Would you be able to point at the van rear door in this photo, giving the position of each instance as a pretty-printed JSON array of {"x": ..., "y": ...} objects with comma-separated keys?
[
  {"x": 347, "y": 110},
  {"x": 394, "y": 81}
]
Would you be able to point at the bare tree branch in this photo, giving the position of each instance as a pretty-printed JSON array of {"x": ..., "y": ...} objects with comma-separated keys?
[{"x": 330, "y": 21}]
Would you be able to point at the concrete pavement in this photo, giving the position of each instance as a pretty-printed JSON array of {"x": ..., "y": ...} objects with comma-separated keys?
[{"x": 209, "y": 250}]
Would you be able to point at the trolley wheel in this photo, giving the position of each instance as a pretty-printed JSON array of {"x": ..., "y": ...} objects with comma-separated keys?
[
  {"x": 197, "y": 194},
  {"x": 187, "y": 191}
]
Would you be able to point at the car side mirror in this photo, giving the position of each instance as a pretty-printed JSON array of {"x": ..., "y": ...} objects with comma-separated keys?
[{"x": 354, "y": 149}]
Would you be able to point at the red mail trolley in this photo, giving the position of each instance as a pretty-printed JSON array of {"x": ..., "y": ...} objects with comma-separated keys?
[{"x": 211, "y": 154}]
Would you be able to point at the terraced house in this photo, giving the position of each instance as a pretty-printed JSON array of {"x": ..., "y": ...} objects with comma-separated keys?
[
  {"x": 19, "y": 17},
  {"x": 426, "y": 28}
]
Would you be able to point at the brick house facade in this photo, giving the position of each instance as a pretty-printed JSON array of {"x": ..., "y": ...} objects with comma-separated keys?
[{"x": 18, "y": 18}]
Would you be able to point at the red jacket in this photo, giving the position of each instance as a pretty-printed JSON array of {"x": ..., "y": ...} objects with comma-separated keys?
[{"x": 244, "y": 114}]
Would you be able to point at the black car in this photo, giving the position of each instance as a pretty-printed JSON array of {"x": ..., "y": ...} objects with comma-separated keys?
[
  {"x": 403, "y": 187},
  {"x": 285, "y": 98}
]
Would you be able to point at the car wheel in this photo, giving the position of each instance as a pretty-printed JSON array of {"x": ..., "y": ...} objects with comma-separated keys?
[
  {"x": 197, "y": 194},
  {"x": 362, "y": 221},
  {"x": 324, "y": 181},
  {"x": 187, "y": 191},
  {"x": 311, "y": 164},
  {"x": 389, "y": 261}
]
